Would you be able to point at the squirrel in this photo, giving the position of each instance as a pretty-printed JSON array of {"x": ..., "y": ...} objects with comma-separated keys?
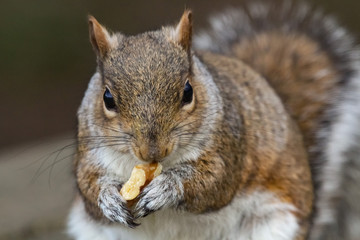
[{"x": 252, "y": 120}]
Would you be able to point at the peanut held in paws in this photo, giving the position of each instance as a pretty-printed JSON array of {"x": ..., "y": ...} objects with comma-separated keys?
[{"x": 141, "y": 176}]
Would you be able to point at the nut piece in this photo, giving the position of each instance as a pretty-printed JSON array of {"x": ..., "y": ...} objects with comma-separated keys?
[
  {"x": 141, "y": 176},
  {"x": 131, "y": 188}
]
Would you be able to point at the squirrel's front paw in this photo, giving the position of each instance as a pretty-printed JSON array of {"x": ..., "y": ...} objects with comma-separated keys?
[
  {"x": 164, "y": 191},
  {"x": 114, "y": 206}
]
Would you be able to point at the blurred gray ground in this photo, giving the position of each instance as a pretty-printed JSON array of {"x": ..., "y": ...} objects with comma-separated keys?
[{"x": 36, "y": 190}]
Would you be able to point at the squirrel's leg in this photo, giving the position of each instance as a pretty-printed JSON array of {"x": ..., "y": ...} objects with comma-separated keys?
[
  {"x": 101, "y": 196},
  {"x": 267, "y": 218}
]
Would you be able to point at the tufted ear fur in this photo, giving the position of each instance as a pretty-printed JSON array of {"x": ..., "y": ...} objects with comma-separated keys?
[
  {"x": 99, "y": 38},
  {"x": 183, "y": 31}
]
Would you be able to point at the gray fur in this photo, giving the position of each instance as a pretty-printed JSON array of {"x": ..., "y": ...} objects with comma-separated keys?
[
  {"x": 232, "y": 25},
  {"x": 337, "y": 169},
  {"x": 338, "y": 215},
  {"x": 164, "y": 191},
  {"x": 113, "y": 206},
  {"x": 337, "y": 143}
]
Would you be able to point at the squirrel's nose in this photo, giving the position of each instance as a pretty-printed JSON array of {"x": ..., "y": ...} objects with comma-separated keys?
[{"x": 150, "y": 153}]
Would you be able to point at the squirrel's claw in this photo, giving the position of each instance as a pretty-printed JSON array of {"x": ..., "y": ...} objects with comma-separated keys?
[
  {"x": 144, "y": 207},
  {"x": 143, "y": 212},
  {"x": 160, "y": 193},
  {"x": 132, "y": 224}
]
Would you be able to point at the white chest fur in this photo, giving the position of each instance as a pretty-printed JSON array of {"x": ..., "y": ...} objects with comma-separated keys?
[{"x": 258, "y": 216}]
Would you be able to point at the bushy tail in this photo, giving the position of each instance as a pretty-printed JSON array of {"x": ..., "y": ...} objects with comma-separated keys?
[{"x": 314, "y": 66}]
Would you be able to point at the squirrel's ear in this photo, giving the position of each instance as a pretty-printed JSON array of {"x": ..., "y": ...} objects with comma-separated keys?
[
  {"x": 99, "y": 37},
  {"x": 183, "y": 31}
]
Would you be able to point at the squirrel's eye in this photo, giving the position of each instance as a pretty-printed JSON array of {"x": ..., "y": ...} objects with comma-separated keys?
[
  {"x": 109, "y": 100},
  {"x": 188, "y": 93}
]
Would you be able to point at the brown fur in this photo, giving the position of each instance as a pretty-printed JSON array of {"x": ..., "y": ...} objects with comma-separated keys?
[
  {"x": 87, "y": 177},
  {"x": 308, "y": 58},
  {"x": 98, "y": 37},
  {"x": 184, "y": 31},
  {"x": 246, "y": 156},
  {"x": 295, "y": 66},
  {"x": 134, "y": 82},
  {"x": 254, "y": 145}
]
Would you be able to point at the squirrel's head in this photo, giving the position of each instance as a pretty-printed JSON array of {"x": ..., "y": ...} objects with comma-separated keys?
[{"x": 150, "y": 99}]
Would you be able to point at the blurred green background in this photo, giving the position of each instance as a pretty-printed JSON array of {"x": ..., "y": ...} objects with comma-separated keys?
[{"x": 46, "y": 60}]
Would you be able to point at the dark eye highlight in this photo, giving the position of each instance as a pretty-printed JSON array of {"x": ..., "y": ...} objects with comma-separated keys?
[
  {"x": 188, "y": 94},
  {"x": 109, "y": 100}
]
